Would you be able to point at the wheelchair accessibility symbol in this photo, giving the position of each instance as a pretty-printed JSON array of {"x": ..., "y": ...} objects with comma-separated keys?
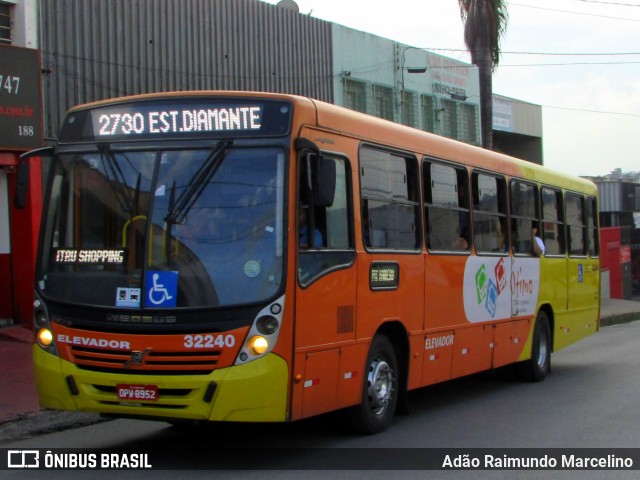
[{"x": 162, "y": 288}]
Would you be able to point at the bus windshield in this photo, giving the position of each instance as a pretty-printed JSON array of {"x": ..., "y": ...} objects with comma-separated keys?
[{"x": 165, "y": 228}]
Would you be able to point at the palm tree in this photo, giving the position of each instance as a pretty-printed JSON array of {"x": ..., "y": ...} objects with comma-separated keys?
[{"x": 485, "y": 22}]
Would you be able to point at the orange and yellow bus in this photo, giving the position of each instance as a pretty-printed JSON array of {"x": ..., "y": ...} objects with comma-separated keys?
[{"x": 248, "y": 257}]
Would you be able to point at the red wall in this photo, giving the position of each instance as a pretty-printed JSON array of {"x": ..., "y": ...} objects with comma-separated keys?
[
  {"x": 17, "y": 271},
  {"x": 611, "y": 259}
]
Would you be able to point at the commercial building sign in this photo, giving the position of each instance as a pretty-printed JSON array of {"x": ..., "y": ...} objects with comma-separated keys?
[
  {"x": 502, "y": 114},
  {"x": 20, "y": 98}
]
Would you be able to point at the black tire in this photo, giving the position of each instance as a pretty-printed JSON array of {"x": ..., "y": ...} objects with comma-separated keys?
[
  {"x": 538, "y": 366},
  {"x": 379, "y": 389}
]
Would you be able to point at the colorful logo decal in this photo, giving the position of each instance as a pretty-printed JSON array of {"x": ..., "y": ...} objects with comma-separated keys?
[
  {"x": 489, "y": 289},
  {"x": 492, "y": 298},
  {"x": 500, "y": 287},
  {"x": 481, "y": 283},
  {"x": 501, "y": 276}
]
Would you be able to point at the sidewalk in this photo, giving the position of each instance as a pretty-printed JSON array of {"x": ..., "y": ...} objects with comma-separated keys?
[{"x": 18, "y": 399}]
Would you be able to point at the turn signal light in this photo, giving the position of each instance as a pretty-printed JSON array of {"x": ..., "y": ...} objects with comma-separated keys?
[
  {"x": 259, "y": 345},
  {"x": 45, "y": 337}
]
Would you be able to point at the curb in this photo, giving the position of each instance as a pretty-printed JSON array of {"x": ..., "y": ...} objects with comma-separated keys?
[
  {"x": 17, "y": 334},
  {"x": 33, "y": 424},
  {"x": 619, "y": 319}
]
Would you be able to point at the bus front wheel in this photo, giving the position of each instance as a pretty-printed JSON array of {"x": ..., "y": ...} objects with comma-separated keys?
[
  {"x": 539, "y": 365},
  {"x": 379, "y": 389}
]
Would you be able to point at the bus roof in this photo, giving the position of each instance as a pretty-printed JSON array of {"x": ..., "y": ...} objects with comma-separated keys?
[{"x": 383, "y": 132}]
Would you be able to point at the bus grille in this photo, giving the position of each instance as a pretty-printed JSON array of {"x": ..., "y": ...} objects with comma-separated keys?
[{"x": 147, "y": 362}]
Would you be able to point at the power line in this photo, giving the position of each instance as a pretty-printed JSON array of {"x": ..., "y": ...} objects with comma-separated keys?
[
  {"x": 592, "y": 111},
  {"x": 575, "y": 13},
  {"x": 616, "y": 4},
  {"x": 568, "y": 64},
  {"x": 566, "y": 54}
]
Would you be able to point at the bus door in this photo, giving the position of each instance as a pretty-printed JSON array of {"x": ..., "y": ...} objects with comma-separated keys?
[{"x": 325, "y": 366}]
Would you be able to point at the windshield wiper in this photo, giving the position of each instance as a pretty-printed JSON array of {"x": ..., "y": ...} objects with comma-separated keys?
[
  {"x": 179, "y": 208},
  {"x": 118, "y": 181}
]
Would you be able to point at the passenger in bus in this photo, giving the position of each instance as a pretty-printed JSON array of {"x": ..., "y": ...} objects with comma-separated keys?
[
  {"x": 503, "y": 246},
  {"x": 303, "y": 229},
  {"x": 536, "y": 243},
  {"x": 463, "y": 242}
]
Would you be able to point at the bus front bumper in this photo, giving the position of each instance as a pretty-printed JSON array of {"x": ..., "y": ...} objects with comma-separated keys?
[{"x": 253, "y": 392}]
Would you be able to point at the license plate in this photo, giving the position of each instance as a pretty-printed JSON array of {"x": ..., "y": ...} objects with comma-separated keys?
[{"x": 137, "y": 392}]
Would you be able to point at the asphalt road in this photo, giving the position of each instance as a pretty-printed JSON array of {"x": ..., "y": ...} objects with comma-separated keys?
[{"x": 590, "y": 400}]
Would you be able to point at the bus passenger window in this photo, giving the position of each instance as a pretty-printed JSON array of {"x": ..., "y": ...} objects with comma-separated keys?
[
  {"x": 489, "y": 201},
  {"x": 592, "y": 227},
  {"x": 390, "y": 200},
  {"x": 446, "y": 208},
  {"x": 524, "y": 217},
  {"x": 576, "y": 225},
  {"x": 553, "y": 221}
]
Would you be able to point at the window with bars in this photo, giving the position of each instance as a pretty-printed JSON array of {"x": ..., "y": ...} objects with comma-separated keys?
[
  {"x": 409, "y": 109},
  {"x": 5, "y": 24},
  {"x": 428, "y": 113},
  {"x": 355, "y": 95},
  {"x": 382, "y": 101},
  {"x": 469, "y": 131},
  {"x": 449, "y": 119}
]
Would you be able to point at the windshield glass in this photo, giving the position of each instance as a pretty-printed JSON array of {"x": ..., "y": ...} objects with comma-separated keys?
[{"x": 165, "y": 229}]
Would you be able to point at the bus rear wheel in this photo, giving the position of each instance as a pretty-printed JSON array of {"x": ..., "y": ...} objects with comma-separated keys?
[
  {"x": 379, "y": 389},
  {"x": 539, "y": 365}
]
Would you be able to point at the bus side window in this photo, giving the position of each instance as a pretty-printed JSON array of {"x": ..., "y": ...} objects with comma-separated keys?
[
  {"x": 592, "y": 227},
  {"x": 576, "y": 225},
  {"x": 490, "y": 211},
  {"x": 524, "y": 216},
  {"x": 325, "y": 234},
  {"x": 390, "y": 200},
  {"x": 553, "y": 221},
  {"x": 446, "y": 207}
]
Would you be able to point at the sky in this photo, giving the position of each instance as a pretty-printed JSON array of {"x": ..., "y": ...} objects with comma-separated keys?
[{"x": 590, "y": 100}]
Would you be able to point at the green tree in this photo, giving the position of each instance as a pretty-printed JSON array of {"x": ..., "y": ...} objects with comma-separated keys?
[{"x": 485, "y": 22}]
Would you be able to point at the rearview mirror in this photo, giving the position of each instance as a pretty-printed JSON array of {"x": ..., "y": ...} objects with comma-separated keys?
[
  {"x": 321, "y": 173},
  {"x": 24, "y": 170}
]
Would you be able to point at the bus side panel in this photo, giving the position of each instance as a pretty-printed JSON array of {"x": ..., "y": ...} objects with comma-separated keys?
[
  {"x": 444, "y": 305},
  {"x": 473, "y": 350},
  {"x": 581, "y": 319},
  {"x": 510, "y": 340},
  {"x": 402, "y": 302},
  {"x": 438, "y": 349},
  {"x": 331, "y": 380},
  {"x": 553, "y": 284}
]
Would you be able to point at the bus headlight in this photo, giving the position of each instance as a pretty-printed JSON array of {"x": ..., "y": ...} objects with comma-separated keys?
[
  {"x": 263, "y": 334},
  {"x": 45, "y": 337},
  {"x": 42, "y": 327},
  {"x": 258, "y": 344}
]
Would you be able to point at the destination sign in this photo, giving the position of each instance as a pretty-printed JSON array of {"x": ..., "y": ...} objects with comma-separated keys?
[{"x": 178, "y": 118}]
